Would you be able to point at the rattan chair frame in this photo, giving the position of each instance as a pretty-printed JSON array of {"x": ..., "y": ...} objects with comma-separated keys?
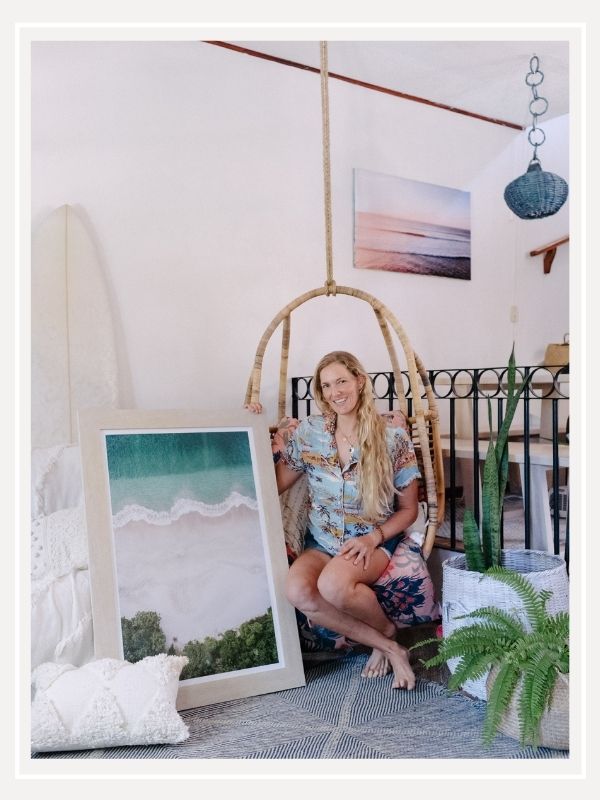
[{"x": 424, "y": 419}]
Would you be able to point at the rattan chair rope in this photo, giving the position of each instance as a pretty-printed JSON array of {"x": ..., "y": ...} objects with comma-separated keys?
[{"x": 424, "y": 419}]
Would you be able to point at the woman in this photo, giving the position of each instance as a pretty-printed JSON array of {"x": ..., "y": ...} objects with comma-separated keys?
[{"x": 356, "y": 466}]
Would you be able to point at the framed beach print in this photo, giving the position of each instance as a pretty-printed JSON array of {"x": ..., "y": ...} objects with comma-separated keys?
[
  {"x": 186, "y": 549},
  {"x": 403, "y": 225}
]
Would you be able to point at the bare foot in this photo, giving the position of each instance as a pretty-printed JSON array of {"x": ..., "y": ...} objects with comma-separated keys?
[
  {"x": 377, "y": 666},
  {"x": 404, "y": 677}
]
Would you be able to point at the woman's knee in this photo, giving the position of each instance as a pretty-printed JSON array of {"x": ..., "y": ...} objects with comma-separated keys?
[
  {"x": 301, "y": 591},
  {"x": 336, "y": 588}
]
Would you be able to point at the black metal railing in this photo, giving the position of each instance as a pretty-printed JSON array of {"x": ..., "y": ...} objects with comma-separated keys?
[{"x": 546, "y": 390}]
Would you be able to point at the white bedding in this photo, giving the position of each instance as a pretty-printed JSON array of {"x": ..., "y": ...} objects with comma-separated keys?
[
  {"x": 74, "y": 364},
  {"x": 61, "y": 613}
]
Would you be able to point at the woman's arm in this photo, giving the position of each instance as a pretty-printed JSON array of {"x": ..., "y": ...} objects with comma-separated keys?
[
  {"x": 407, "y": 513},
  {"x": 284, "y": 475},
  {"x": 396, "y": 419}
]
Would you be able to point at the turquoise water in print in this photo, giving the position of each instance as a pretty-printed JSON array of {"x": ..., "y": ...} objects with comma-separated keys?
[{"x": 160, "y": 476}]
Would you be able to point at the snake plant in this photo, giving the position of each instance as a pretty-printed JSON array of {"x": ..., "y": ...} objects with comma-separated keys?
[
  {"x": 531, "y": 655},
  {"x": 482, "y": 547}
]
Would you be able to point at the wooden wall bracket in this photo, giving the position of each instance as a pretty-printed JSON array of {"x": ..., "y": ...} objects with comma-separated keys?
[{"x": 549, "y": 251}]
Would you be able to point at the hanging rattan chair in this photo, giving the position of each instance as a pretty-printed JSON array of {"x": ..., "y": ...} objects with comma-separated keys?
[{"x": 424, "y": 418}]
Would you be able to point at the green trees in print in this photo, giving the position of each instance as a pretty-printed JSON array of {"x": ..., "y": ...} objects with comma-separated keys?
[
  {"x": 253, "y": 644},
  {"x": 142, "y": 636}
]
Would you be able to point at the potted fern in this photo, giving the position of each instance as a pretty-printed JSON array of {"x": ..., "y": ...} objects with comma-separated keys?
[
  {"x": 528, "y": 685},
  {"x": 465, "y": 582}
]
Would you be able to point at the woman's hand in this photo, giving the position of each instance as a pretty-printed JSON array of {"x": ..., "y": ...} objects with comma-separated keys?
[
  {"x": 255, "y": 408},
  {"x": 285, "y": 427},
  {"x": 285, "y": 476},
  {"x": 361, "y": 548}
]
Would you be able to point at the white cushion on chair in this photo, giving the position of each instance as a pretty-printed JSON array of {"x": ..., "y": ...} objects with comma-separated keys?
[{"x": 417, "y": 530}]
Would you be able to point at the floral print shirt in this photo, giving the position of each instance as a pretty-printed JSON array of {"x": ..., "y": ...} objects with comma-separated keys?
[{"x": 334, "y": 513}]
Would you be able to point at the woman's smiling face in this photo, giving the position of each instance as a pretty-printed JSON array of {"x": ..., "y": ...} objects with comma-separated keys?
[{"x": 341, "y": 389}]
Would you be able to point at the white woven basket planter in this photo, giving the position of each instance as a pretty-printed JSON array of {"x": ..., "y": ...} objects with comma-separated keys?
[{"x": 464, "y": 591}]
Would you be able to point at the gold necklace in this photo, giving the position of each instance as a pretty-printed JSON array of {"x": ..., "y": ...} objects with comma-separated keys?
[{"x": 349, "y": 443}]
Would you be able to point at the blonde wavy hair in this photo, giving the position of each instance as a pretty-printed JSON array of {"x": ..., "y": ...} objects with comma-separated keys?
[{"x": 375, "y": 471}]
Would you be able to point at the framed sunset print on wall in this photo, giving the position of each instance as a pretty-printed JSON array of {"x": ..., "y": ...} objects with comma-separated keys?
[{"x": 403, "y": 225}]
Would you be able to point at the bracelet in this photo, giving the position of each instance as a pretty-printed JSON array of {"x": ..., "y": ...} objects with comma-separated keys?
[{"x": 377, "y": 527}]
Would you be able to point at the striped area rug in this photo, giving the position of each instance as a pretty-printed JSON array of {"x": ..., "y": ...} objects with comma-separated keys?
[{"x": 337, "y": 715}]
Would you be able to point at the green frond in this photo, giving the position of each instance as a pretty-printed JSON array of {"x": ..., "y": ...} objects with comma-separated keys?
[
  {"x": 556, "y": 637},
  {"x": 494, "y": 646},
  {"x": 483, "y": 632},
  {"x": 544, "y": 672},
  {"x": 434, "y": 661},
  {"x": 472, "y": 543},
  {"x": 561, "y": 620},
  {"x": 470, "y": 668},
  {"x": 544, "y": 595},
  {"x": 511, "y": 625},
  {"x": 557, "y": 627},
  {"x": 544, "y": 641},
  {"x": 491, "y": 642},
  {"x": 534, "y": 607},
  {"x": 499, "y": 699},
  {"x": 424, "y": 642},
  {"x": 539, "y": 680}
]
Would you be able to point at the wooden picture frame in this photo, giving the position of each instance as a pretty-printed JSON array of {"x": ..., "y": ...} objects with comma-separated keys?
[{"x": 186, "y": 549}]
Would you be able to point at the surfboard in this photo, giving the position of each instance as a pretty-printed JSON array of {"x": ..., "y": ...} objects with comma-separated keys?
[{"x": 73, "y": 344}]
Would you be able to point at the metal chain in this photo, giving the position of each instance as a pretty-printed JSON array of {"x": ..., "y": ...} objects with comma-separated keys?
[
  {"x": 537, "y": 106},
  {"x": 329, "y": 283}
]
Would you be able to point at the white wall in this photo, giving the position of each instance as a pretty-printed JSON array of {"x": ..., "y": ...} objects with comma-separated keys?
[{"x": 199, "y": 172}]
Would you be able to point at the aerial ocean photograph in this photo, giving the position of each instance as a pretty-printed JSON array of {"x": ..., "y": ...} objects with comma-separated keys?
[{"x": 190, "y": 561}]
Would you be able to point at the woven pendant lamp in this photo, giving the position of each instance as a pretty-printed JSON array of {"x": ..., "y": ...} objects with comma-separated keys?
[{"x": 537, "y": 193}]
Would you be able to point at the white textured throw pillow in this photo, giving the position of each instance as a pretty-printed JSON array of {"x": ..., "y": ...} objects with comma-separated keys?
[{"x": 107, "y": 703}]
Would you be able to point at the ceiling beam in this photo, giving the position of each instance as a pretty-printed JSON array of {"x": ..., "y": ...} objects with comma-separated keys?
[{"x": 372, "y": 86}]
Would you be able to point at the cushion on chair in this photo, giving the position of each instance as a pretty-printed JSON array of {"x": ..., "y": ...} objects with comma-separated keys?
[{"x": 404, "y": 590}]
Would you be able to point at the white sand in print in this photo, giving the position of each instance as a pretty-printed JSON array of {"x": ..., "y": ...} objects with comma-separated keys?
[{"x": 202, "y": 574}]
